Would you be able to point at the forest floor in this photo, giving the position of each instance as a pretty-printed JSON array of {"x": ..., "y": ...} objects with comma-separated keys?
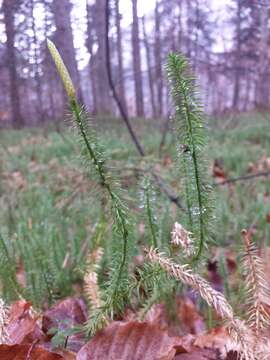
[{"x": 47, "y": 197}]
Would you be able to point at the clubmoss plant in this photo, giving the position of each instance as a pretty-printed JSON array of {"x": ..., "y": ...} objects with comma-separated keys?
[
  {"x": 11, "y": 288},
  {"x": 191, "y": 140},
  {"x": 95, "y": 157},
  {"x": 148, "y": 204}
]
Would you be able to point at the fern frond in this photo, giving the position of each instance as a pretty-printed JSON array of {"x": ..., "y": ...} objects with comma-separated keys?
[
  {"x": 256, "y": 286},
  {"x": 191, "y": 137}
]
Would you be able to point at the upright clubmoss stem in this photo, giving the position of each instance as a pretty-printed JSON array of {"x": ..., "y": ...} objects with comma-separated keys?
[
  {"x": 197, "y": 179},
  {"x": 192, "y": 137},
  {"x": 118, "y": 213},
  {"x": 150, "y": 219}
]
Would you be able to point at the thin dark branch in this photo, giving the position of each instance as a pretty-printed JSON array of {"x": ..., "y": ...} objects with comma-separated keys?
[
  {"x": 243, "y": 178},
  {"x": 163, "y": 186},
  {"x": 114, "y": 92}
]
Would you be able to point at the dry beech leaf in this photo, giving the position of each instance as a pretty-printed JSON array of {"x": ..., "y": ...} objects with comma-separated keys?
[
  {"x": 216, "y": 338},
  {"x": 130, "y": 340},
  {"x": 29, "y": 352},
  {"x": 70, "y": 311},
  {"x": 66, "y": 354},
  {"x": 189, "y": 317},
  {"x": 214, "y": 277},
  {"x": 199, "y": 355},
  {"x": 157, "y": 314},
  {"x": 261, "y": 165},
  {"x": 23, "y": 326},
  {"x": 218, "y": 171},
  {"x": 64, "y": 315}
]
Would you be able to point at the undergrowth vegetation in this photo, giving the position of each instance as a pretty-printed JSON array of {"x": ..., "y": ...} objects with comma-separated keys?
[{"x": 69, "y": 229}]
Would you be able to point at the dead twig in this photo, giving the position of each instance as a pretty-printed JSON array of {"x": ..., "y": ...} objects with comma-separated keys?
[
  {"x": 163, "y": 186},
  {"x": 243, "y": 178}
]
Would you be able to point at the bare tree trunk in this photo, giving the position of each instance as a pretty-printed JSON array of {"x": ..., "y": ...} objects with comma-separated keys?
[
  {"x": 103, "y": 98},
  {"x": 94, "y": 81},
  {"x": 137, "y": 62},
  {"x": 89, "y": 45},
  {"x": 196, "y": 38},
  {"x": 237, "y": 79},
  {"x": 247, "y": 92},
  {"x": 149, "y": 70},
  {"x": 158, "y": 62},
  {"x": 262, "y": 83},
  {"x": 9, "y": 8},
  {"x": 180, "y": 27},
  {"x": 121, "y": 87},
  {"x": 117, "y": 99},
  {"x": 64, "y": 39},
  {"x": 189, "y": 30},
  {"x": 39, "y": 107},
  {"x": 51, "y": 101}
]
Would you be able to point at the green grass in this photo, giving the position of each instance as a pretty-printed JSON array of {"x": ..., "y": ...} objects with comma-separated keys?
[{"x": 48, "y": 206}]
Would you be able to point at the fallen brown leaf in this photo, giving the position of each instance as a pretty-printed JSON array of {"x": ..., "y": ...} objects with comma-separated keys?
[
  {"x": 157, "y": 315},
  {"x": 214, "y": 277},
  {"x": 199, "y": 355},
  {"x": 261, "y": 165},
  {"x": 29, "y": 352},
  {"x": 218, "y": 171},
  {"x": 216, "y": 338},
  {"x": 67, "y": 314},
  {"x": 130, "y": 340},
  {"x": 66, "y": 354},
  {"x": 191, "y": 321},
  {"x": 23, "y": 325}
]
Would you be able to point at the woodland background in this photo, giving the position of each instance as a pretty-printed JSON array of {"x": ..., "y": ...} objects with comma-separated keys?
[
  {"x": 66, "y": 221},
  {"x": 227, "y": 43}
]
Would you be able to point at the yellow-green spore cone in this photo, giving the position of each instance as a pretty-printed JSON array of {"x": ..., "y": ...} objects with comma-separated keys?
[{"x": 61, "y": 68}]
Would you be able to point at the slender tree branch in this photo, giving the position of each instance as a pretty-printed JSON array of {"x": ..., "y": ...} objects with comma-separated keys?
[
  {"x": 114, "y": 92},
  {"x": 164, "y": 187},
  {"x": 243, "y": 178}
]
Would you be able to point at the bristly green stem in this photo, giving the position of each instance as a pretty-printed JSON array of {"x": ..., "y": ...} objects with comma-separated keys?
[
  {"x": 77, "y": 112},
  {"x": 120, "y": 216},
  {"x": 150, "y": 219},
  {"x": 189, "y": 122},
  {"x": 197, "y": 179},
  {"x": 118, "y": 209}
]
